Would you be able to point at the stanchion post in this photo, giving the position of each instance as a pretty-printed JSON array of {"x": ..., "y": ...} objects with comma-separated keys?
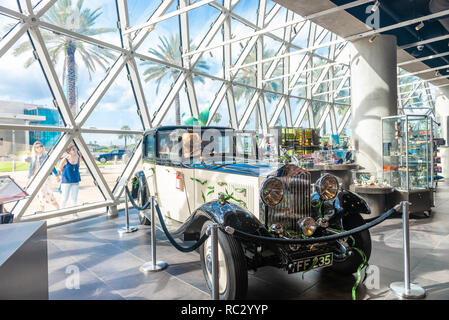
[
  {"x": 406, "y": 289},
  {"x": 215, "y": 295},
  {"x": 127, "y": 228},
  {"x": 154, "y": 265}
]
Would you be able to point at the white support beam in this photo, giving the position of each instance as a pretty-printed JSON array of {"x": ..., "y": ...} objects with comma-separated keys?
[
  {"x": 12, "y": 36},
  {"x": 130, "y": 168},
  {"x": 142, "y": 34},
  {"x": 344, "y": 121},
  {"x": 175, "y": 13},
  {"x": 133, "y": 72},
  {"x": 182, "y": 77},
  {"x": 100, "y": 91},
  {"x": 355, "y": 37},
  {"x": 50, "y": 73},
  {"x": 41, "y": 176},
  {"x": 93, "y": 168},
  {"x": 282, "y": 26}
]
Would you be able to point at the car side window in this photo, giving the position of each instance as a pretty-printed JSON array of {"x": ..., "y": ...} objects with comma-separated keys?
[{"x": 149, "y": 147}]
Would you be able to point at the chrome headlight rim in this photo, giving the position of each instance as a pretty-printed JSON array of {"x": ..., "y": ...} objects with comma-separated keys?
[
  {"x": 308, "y": 226},
  {"x": 268, "y": 183},
  {"x": 322, "y": 187}
]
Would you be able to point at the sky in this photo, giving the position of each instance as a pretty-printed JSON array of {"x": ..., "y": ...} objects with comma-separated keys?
[{"x": 118, "y": 107}]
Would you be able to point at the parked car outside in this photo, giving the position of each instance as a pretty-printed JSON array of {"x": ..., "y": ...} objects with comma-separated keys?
[{"x": 110, "y": 156}]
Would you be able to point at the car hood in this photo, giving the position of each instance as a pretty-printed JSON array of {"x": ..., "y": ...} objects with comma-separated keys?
[{"x": 255, "y": 169}]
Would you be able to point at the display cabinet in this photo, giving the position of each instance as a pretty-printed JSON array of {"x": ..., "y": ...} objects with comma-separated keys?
[{"x": 407, "y": 159}]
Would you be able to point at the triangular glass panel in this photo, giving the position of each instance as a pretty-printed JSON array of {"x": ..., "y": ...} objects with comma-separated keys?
[
  {"x": 200, "y": 21},
  {"x": 301, "y": 33},
  {"x": 247, "y": 10},
  {"x": 7, "y": 24},
  {"x": 279, "y": 19},
  {"x": 26, "y": 88},
  {"x": 79, "y": 69},
  {"x": 340, "y": 112},
  {"x": 281, "y": 120},
  {"x": 9, "y": 4},
  {"x": 238, "y": 29},
  {"x": 210, "y": 61},
  {"x": 347, "y": 131},
  {"x": 296, "y": 106},
  {"x": 140, "y": 11},
  {"x": 204, "y": 87},
  {"x": 305, "y": 123},
  {"x": 271, "y": 103},
  {"x": 318, "y": 110},
  {"x": 118, "y": 99},
  {"x": 163, "y": 41},
  {"x": 242, "y": 96},
  {"x": 92, "y": 19},
  {"x": 221, "y": 117},
  {"x": 254, "y": 121},
  {"x": 181, "y": 103},
  {"x": 112, "y": 152}
]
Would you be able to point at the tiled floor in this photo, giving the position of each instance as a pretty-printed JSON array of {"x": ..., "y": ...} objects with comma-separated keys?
[{"x": 108, "y": 264}]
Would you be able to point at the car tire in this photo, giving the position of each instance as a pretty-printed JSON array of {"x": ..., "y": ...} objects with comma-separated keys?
[
  {"x": 103, "y": 160},
  {"x": 141, "y": 200},
  {"x": 232, "y": 262},
  {"x": 362, "y": 242}
]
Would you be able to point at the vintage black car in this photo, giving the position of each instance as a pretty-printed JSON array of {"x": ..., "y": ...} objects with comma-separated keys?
[{"x": 202, "y": 175}]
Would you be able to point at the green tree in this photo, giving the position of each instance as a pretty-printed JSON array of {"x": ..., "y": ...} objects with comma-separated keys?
[
  {"x": 125, "y": 135},
  {"x": 169, "y": 50},
  {"x": 78, "y": 19}
]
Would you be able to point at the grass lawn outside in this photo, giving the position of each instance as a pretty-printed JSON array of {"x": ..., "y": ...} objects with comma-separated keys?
[{"x": 20, "y": 166}]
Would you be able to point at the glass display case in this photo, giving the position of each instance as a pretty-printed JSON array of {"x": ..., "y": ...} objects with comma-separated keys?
[
  {"x": 407, "y": 158},
  {"x": 406, "y": 152}
]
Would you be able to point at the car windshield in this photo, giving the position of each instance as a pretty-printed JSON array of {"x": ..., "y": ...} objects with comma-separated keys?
[{"x": 194, "y": 145}]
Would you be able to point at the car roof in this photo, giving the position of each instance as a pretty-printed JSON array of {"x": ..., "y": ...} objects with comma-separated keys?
[{"x": 167, "y": 128}]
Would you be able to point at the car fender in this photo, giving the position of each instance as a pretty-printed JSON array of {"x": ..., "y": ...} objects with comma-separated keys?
[
  {"x": 227, "y": 214},
  {"x": 348, "y": 202}
]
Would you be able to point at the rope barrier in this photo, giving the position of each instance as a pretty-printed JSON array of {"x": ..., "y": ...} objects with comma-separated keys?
[
  {"x": 164, "y": 227},
  {"x": 249, "y": 236}
]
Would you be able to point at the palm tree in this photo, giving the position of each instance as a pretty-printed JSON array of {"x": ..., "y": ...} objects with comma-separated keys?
[
  {"x": 81, "y": 20},
  {"x": 169, "y": 51},
  {"x": 125, "y": 135}
]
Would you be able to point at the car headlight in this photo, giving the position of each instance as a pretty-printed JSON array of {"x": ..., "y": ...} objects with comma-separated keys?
[
  {"x": 327, "y": 187},
  {"x": 272, "y": 191},
  {"x": 308, "y": 226}
]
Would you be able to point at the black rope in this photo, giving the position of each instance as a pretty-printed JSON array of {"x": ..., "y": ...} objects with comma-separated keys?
[
  {"x": 249, "y": 236},
  {"x": 172, "y": 241},
  {"x": 164, "y": 227},
  {"x": 130, "y": 197}
]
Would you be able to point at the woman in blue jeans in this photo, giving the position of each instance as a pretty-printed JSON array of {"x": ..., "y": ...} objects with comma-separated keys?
[{"x": 70, "y": 176}]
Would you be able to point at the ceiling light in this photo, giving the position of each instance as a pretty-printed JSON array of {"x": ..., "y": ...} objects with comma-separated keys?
[
  {"x": 419, "y": 26},
  {"x": 437, "y": 74},
  {"x": 375, "y": 6},
  {"x": 420, "y": 48},
  {"x": 371, "y": 40}
]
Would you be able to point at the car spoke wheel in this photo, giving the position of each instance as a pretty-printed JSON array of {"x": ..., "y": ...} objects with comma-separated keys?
[
  {"x": 141, "y": 200},
  {"x": 103, "y": 160},
  {"x": 362, "y": 242},
  {"x": 232, "y": 270}
]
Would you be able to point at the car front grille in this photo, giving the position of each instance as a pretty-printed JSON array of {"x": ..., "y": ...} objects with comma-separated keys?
[{"x": 296, "y": 202}]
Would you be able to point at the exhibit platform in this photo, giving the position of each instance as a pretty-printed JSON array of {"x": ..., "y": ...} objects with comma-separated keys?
[{"x": 109, "y": 264}]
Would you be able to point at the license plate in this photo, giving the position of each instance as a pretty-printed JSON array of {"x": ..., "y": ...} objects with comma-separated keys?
[{"x": 304, "y": 264}]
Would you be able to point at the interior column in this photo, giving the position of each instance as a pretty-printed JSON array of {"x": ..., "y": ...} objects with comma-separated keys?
[{"x": 373, "y": 96}]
